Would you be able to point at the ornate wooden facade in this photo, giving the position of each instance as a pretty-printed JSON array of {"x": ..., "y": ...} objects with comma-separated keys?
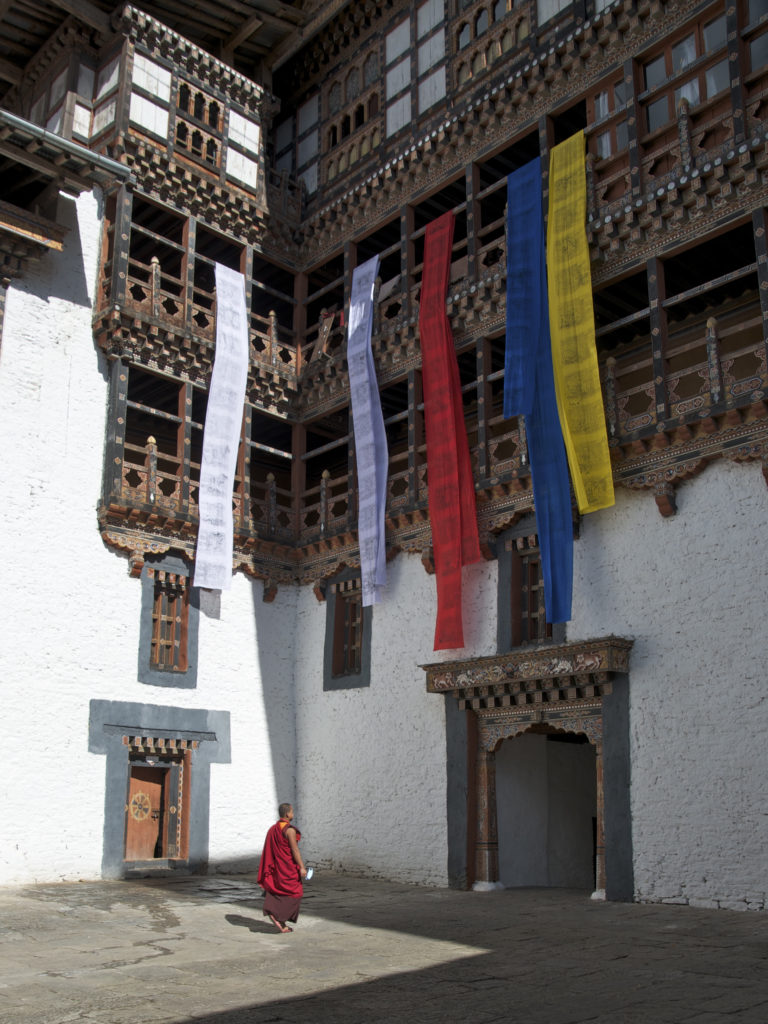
[{"x": 672, "y": 99}]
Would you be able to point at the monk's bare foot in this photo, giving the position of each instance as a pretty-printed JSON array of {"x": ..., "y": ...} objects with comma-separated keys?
[{"x": 279, "y": 925}]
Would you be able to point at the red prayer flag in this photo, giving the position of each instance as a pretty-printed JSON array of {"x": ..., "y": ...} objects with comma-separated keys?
[{"x": 452, "y": 509}]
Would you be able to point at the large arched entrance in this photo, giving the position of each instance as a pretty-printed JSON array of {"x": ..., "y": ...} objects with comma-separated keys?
[
  {"x": 577, "y": 689},
  {"x": 546, "y": 807}
]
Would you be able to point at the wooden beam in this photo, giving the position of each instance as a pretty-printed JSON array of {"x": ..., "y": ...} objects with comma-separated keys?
[
  {"x": 246, "y": 30},
  {"x": 9, "y": 72},
  {"x": 45, "y": 167},
  {"x": 87, "y": 13}
]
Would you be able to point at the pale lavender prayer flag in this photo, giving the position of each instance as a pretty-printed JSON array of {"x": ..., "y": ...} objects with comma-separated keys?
[
  {"x": 221, "y": 435},
  {"x": 370, "y": 436}
]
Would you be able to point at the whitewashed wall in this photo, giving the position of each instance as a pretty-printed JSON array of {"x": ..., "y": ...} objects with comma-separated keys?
[
  {"x": 692, "y": 591},
  {"x": 372, "y": 762},
  {"x": 366, "y": 769},
  {"x": 71, "y": 611}
]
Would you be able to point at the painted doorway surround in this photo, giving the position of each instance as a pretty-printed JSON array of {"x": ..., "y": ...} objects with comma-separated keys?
[
  {"x": 580, "y": 687},
  {"x": 157, "y": 783}
]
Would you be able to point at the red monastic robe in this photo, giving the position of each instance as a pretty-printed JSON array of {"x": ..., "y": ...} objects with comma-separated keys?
[{"x": 278, "y": 871}]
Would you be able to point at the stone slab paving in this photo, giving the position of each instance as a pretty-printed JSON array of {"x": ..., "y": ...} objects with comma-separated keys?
[{"x": 181, "y": 950}]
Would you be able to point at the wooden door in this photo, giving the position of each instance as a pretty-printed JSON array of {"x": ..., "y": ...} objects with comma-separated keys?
[{"x": 145, "y": 812}]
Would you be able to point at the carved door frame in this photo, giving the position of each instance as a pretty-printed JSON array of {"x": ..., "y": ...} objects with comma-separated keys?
[{"x": 579, "y": 687}]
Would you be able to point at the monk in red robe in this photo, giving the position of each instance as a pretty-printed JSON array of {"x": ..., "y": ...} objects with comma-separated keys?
[{"x": 281, "y": 871}]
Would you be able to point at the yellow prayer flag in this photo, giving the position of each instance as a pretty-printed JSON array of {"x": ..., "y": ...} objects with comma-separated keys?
[{"x": 572, "y": 328}]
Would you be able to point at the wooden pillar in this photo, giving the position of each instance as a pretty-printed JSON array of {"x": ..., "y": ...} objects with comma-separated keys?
[
  {"x": 415, "y": 435},
  {"x": 484, "y": 406},
  {"x": 184, "y": 443},
  {"x": 734, "y": 71},
  {"x": 121, "y": 246},
  {"x": 115, "y": 448},
  {"x": 487, "y": 842},
  {"x": 656, "y": 296},
  {"x": 472, "y": 187},
  {"x": 188, "y": 272},
  {"x": 600, "y": 813},
  {"x": 760, "y": 228},
  {"x": 298, "y": 474},
  {"x": 634, "y": 130},
  {"x": 406, "y": 259},
  {"x": 300, "y": 286}
]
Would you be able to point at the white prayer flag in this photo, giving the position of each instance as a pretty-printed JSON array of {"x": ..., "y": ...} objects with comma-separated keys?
[
  {"x": 370, "y": 436},
  {"x": 221, "y": 435}
]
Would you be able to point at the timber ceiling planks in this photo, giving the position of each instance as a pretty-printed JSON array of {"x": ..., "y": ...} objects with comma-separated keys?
[{"x": 244, "y": 33}]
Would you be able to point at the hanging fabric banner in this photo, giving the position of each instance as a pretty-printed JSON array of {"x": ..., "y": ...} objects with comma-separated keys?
[
  {"x": 572, "y": 324},
  {"x": 221, "y": 435},
  {"x": 452, "y": 509},
  {"x": 529, "y": 387},
  {"x": 371, "y": 454}
]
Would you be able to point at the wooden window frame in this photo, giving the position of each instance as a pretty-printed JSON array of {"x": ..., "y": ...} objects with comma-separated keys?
[
  {"x": 674, "y": 80},
  {"x": 520, "y": 593},
  {"x": 348, "y": 628},
  {"x": 159, "y": 573}
]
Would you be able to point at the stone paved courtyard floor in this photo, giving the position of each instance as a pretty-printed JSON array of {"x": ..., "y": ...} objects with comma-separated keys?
[{"x": 177, "y": 950}]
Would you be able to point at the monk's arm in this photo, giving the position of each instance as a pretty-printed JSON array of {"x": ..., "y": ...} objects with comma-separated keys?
[{"x": 290, "y": 835}]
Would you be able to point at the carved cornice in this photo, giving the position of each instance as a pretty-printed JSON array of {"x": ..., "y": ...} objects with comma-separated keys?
[{"x": 582, "y": 664}]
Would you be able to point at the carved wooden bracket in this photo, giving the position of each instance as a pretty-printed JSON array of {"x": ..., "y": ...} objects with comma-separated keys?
[{"x": 664, "y": 493}]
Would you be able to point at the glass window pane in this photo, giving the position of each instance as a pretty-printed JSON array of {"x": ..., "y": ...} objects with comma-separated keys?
[
  {"x": 658, "y": 114},
  {"x": 309, "y": 114},
  {"x": 622, "y": 138},
  {"x": 481, "y": 23},
  {"x": 619, "y": 94},
  {"x": 601, "y": 106},
  {"x": 603, "y": 145},
  {"x": 757, "y": 10},
  {"x": 758, "y": 52},
  {"x": 714, "y": 35},
  {"x": 85, "y": 80},
  {"x": 428, "y": 16},
  {"x": 308, "y": 147},
  {"x": 431, "y": 89},
  {"x": 717, "y": 78},
  {"x": 689, "y": 91},
  {"x": 549, "y": 8},
  {"x": 398, "y": 77},
  {"x": 655, "y": 73},
  {"x": 684, "y": 53},
  {"x": 499, "y": 9},
  {"x": 463, "y": 36},
  {"x": 398, "y": 40},
  {"x": 431, "y": 52},
  {"x": 58, "y": 88},
  {"x": 399, "y": 114}
]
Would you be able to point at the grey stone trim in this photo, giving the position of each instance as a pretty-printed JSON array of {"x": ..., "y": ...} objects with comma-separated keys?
[
  {"x": 109, "y": 721},
  {"x": 619, "y": 857}
]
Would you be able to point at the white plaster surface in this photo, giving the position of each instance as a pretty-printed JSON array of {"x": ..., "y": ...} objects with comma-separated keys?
[
  {"x": 365, "y": 768},
  {"x": 691, "y": 591},
  {"x": 71, "y": 611},
  {"x": 372, "y": 761}
]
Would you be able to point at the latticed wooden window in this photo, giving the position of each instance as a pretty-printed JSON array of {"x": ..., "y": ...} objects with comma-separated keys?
[
  {"x": 347, "y": 628},
  {"x": 529, "y": 620},
  {"x": 170, "y": 621}
]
